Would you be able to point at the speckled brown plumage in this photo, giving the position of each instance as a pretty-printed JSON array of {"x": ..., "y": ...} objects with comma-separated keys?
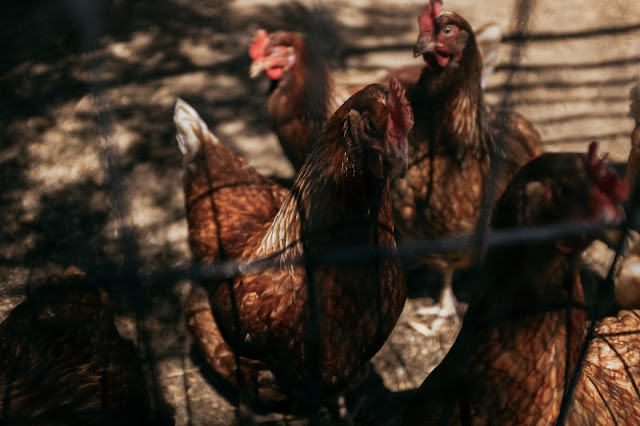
[
  {"x": 459, "y": 151},
  {"x": 62, "y": 360},
  {"x": 227, "y": 204},
  {"x": 523, "y": 333},
  {"x": 226, "y": 200},
  {"x": 607, "y": 392},
  {"x": 337, "y": 201}
]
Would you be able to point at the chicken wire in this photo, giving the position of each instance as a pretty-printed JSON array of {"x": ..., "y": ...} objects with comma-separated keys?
[{"x": 92, "y": 176}]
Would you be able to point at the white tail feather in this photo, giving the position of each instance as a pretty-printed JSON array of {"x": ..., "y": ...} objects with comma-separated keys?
[
  {"x": 190, "y": 131},
  {"x": 489, "y": 33},
  {"x": 488, "y": 38}
]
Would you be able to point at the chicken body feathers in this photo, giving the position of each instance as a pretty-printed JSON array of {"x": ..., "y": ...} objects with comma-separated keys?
[
  {"x": 525, "y": 329},
  {"x": 227, "y": 201},
  {"x": 462, "y": 153},
  {"x": 265, "y": 317}
]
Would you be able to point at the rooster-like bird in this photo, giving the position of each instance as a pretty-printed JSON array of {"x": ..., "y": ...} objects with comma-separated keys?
[
  {"x": 301, "y": 324},
  {"x": 524, "y": 331},
  {"x": 461, "y": 154}
]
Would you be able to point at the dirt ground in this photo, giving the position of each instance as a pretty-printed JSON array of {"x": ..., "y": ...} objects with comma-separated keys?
[{"x": 91, "y": 174}]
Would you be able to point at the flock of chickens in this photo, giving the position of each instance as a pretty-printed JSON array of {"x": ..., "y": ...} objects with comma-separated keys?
[{"x": 319, "y": 284}]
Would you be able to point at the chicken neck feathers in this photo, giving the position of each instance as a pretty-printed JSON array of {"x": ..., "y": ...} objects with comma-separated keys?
[{"x": 302, "y": 101}]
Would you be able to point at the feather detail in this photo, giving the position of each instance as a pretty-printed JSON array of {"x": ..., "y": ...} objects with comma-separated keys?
[{"x": 191, "y": 131}]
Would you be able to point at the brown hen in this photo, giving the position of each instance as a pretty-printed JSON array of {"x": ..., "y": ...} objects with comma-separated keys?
[
  {"x": 461, "y": 155},
  {"x": 62, "y": 360},
  {"x": 304, "y": 94},
  {"x": 227, "y": 202},
  {"x": 301, "y": 328},
  {"x": 524, "y": 331}
]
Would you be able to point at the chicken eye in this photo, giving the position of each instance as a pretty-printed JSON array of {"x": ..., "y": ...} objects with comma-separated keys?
[
  {"x": 368, "y": 124},
  {"x": 448, "y": 31}
]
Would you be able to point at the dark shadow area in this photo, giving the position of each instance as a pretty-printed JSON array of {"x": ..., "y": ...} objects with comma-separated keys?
[
  {"x": 68, "y": 230},
  {"x": 369, "y": 403}
]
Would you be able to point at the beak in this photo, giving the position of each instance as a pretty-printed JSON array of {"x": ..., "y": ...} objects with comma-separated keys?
[
  {"x": 258, "y": 66},
  {"x": 423, "y": 45}
]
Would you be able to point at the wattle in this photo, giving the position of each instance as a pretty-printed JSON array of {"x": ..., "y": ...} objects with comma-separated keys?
[
  {"x": 443, "y": 60},
  {"x": 274, "y": 73}
]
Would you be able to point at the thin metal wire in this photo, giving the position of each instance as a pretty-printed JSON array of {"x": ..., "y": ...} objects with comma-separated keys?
[{"x": 221, "y": 270}]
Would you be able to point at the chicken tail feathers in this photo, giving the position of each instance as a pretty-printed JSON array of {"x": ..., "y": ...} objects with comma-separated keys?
[
  {"x": 488, "y": 37},
  {"x": 190, "y": 131},
  {"x": 226, "y": 199}
]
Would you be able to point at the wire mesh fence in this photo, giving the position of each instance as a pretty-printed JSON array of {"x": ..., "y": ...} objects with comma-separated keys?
[{"x": 92, "y": 176}]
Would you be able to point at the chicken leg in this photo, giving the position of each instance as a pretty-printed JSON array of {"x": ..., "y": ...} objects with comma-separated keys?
[{"x": 447, "y": 306}]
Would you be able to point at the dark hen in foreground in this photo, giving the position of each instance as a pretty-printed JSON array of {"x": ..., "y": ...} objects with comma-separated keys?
[
  {"x": 301, "y": 326},
  {"x": 62, "y": 360},
  {"x": 523, "y": 333}
]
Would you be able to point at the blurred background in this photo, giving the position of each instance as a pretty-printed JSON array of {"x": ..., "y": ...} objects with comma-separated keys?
[{"x": 91, "y": 175}]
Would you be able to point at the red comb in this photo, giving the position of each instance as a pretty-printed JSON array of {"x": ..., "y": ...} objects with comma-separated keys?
[
  {"x": 428, "y": 16},
  {"x": 259, "y": 42},
  {"x": 436, "y": 5},
  {"x": 607, "y": 179},
  {"x": 400, "y": 113}
]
